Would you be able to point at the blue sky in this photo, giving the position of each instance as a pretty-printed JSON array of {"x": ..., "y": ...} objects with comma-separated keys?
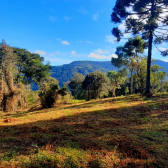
[{"x": 62, "y": 31}]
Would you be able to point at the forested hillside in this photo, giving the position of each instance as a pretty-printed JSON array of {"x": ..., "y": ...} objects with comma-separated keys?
[{"x": 65, "y": 72}]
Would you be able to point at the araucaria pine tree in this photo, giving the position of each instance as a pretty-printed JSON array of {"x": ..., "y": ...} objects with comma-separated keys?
[{"x": 145, "y": 18}]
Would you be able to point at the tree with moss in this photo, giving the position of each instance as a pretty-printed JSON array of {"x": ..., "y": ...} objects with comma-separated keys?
[
  {"x": 18, "y": 67},
  {"x": 7, "y": 72},
  {"x": 140, "y": 74},
  {"x": 117, "y": 79},
  {"x": 48, "y": 92}
]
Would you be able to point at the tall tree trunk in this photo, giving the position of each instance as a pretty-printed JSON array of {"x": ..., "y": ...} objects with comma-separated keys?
[
  {"x": 114, "y": 90},
  {"x": 131, "y": 87},
  {"x": 1, "y": 85},
  {"x": 88, "y": 95},
  {"x": 148, "y": 91},
  {"x": 149, "y": 62}
]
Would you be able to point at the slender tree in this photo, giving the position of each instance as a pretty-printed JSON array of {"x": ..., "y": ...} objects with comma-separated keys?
[
  {"x": 140, "y": 75},
  {"x": 148, "y": 18},
  {"x": 128, "y": 55}
]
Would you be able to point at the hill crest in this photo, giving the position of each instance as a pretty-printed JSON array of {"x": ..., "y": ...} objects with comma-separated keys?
[{"x": 64, "y": 73}]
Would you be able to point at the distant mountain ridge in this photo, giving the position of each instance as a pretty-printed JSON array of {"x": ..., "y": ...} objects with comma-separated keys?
[{"x": 65, "y": 72}]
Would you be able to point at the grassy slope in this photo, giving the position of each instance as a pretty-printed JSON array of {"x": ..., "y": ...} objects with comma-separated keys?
[{"x": 114, "y": 132}]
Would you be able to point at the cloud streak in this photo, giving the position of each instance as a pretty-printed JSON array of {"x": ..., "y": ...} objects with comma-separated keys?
[
  {"x": 40, "y": 52},
  {"x": 100, "y": 51},
  {"x": 110, "y": 39},
  {"x": 89, "y": 42},
  {"x": 73, "y": 53},
  {"x": 65, "y": 43},
  {"x": 99, "y": 56}
]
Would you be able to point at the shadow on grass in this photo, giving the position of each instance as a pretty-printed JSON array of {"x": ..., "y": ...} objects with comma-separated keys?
[
  {"x": 87, "y": 104},
  {"x": 132, "y": 131}
]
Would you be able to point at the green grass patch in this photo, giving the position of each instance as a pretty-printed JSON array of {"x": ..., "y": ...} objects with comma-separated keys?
[{"x": 114, "y": 132}]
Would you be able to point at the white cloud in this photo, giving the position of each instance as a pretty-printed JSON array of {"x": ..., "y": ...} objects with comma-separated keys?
[
  {"x": 109, "y": 38},
  {"x": 165, "y": 60},
  {"x": 129, "y": 9},
  {"x": 89, "y": 42},
  {"x": 73, "y": 53},
  {"x": 100, "y": 51},
  {"x": 113, "y": 56},
  {"x": 122, "y": 27},
  {"x": 40, "y": 52},
  {"x": 67, "y": 18},
  {"x": 95, "y": 17},
  {"x": 52, "y": 18},
  {"x": 51, "y": 55},
  {"x": 65, "y": 42},
  {"x": 162, "y": 48},
  {"x": 98, "y": 56},
  {"x": 83, "y": 10}
]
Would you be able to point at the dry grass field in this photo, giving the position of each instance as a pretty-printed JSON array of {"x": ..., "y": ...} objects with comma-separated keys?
[{"x": 117, "y": 132}]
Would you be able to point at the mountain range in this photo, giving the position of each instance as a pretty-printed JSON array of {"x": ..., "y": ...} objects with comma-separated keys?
[{"x": 65, "y": 72}]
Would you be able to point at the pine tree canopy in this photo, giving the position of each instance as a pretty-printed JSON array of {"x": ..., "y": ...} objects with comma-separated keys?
[
  {"x": 140, "y": 17},
  {"x": 145, "y": 18}
]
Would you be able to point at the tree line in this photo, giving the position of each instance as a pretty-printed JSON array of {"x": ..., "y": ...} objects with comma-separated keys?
[{"x": 130, "y": 77}]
